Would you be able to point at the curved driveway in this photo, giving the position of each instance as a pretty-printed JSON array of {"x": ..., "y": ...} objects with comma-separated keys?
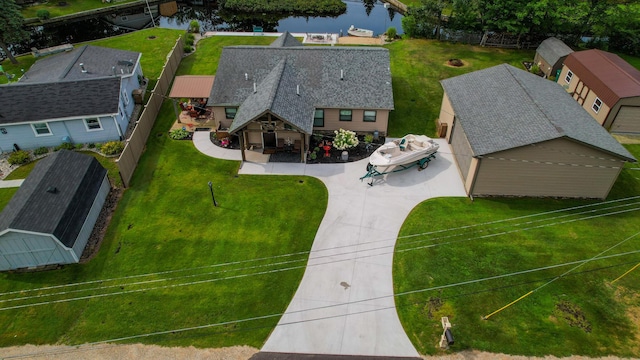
[{"x": 344, "y": 303}]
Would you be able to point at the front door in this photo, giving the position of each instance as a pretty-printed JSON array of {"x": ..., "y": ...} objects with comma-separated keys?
[{"x": 269, "y": 140}]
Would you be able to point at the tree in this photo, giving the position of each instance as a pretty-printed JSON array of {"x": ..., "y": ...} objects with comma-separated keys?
[
  {"x": 425, "y": 19},
  {"x": 622, "y": 27},
  {"x": 11, "y": 30}
]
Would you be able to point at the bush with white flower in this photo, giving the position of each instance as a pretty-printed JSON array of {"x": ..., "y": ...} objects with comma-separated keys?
[{"x": 345, "y": 139}]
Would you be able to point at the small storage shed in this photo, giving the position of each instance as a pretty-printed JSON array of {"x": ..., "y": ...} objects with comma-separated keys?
[
  {"x": 606, "y": 86},
  {"x": 550, "y": 55},
  {"x": 50, "y": 218},
  {"x": 513, "y": 133}
]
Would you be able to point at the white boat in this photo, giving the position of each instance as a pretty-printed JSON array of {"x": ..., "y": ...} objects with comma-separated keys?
[
  {"x": 406, "y": 150},
  {"x": 354, "y": 31}
]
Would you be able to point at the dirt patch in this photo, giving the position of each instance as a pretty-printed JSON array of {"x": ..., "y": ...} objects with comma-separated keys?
[
  {"x": 456, "y": 63},
  {"x": 354, "y": 40},
  {"x": 573, "y": 314},
  {"x": 433, "y": 306}
]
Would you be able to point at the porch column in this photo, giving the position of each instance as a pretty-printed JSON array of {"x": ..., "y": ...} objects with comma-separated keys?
[{"x": 242, "y": 147}]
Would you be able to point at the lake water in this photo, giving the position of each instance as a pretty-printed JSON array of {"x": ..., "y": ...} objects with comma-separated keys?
[{"x": 379, "y": 19}]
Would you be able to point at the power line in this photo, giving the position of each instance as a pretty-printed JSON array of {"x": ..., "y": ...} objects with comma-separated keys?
[{"x": 465, "y": 227}]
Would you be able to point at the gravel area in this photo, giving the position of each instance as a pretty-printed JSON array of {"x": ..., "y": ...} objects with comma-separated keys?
[{"x": 154, "y": 352}]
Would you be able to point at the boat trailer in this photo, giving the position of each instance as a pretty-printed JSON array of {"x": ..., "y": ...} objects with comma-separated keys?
[{"x": 422, "y": 164}]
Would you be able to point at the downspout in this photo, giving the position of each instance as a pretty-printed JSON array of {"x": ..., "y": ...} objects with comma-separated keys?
[{"x": 115, "y": 121}]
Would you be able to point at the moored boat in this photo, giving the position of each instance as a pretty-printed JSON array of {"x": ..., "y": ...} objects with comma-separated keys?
[{"x": 354, "y": 31}]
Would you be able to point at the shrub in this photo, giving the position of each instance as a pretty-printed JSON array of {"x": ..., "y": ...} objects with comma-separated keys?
[
  {"x": 189, "y": 42},
  {"x": 19, "y": 157},
  {"x": 313, "y": 156},
  {"x": 91, "y": 145},
  {"x": 79, "y": 146},
  {"x": 43, "y": 14},
  {"x": 190, "y": 36},
  {"x": 345, "y": 139},
  {"x": 368, "y": 139},
  {"x": 98, "y": 146},
  {"x": 194, "y": 26},
  {"x": 65, "y": 146},
  {"x": 392, "y": 33},
  {"x": 535, "y": 69},
  {"x": 112, "y": 148},
  {"x": 188, "y": 49},
  {"x": 41, "y": 150},
  {"x": 178, "y": 134}
]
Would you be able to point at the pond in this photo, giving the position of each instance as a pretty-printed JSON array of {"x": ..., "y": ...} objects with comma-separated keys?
[{"x": 368, "y": 14}]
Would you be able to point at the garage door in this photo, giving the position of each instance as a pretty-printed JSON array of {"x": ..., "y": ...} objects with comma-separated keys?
[
  {"x": 461, "y": 149},
  {"x": 628, "y": 120}
]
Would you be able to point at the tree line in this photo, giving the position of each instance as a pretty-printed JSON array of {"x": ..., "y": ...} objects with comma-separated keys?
[{"x": 610, "y": 24}]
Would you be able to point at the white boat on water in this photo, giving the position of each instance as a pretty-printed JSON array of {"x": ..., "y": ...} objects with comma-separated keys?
[
  {"x": 354, "y": 31},
  {"x": 406, "y": 150}
]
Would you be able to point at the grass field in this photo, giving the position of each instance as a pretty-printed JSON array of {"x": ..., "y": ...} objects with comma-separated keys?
[
  {"x": 70, "y": 7},
  {"x": 582, "y": 313}
]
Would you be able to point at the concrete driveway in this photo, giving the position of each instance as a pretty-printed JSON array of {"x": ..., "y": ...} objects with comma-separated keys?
[{"x": 344, "y": 304}]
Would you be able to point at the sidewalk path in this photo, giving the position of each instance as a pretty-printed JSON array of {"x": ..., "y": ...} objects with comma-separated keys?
[
  {"x": 10, "y": 183},
  {"x": 344, "y": 304}
]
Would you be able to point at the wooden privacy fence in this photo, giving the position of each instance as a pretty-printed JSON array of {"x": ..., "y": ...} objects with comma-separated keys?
[{"x": 135, "y": 144}]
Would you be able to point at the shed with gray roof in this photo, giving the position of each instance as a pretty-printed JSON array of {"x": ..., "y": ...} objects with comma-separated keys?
[
  {"x": 550, "y": 55},
  {"x": 284, "y": 92},
  {"x": 50, "y": 218},
  {"x": 515, "y": 134}
]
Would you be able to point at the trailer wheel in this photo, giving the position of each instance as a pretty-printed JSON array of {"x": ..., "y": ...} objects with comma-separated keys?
[
  {"x": 424, "y": 165},
  {"x": 369, "y": 167}
]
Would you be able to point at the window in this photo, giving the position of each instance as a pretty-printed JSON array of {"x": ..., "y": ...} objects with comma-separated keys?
[
  {"x": 41, "y": 129},
  {"x": 597, "y": 104},
  {"x": 318, "y": 118},
  {"x": 93, "y": 124},
  {"x": 230, "y": 113},
  {"x": 345, "y": 115},
  {"x": 567, "y": 78},
  {"x": 369, "y": 116},
  {"x": 125, "y": 97}
]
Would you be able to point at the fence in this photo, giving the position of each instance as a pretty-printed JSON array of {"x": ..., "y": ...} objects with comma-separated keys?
[
  {"x": 489, "y": 39},
  {"x": 135, "y": 144}
]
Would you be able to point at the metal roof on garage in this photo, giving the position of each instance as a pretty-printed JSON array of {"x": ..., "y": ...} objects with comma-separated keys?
[{"x": 192, "y": 86}]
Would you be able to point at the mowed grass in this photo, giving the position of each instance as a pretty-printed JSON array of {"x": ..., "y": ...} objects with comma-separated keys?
[
  {"x": 418, "y": 65},
  {"x": 461, "y": 240},
  {"x": 70, "y": 7},
  {"x": 175, "y": 260}
]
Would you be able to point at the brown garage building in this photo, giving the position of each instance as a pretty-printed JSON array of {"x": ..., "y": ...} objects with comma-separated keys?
[{"x": 515, "y": 134}]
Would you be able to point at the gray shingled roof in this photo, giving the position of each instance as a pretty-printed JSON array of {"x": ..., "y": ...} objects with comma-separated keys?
[
  {"x": 27, "y": 102},
  {"x": 284, "y": 40},
  {"x": 366, "y": 82},
  {"x": 98, "y": 62},
  {"x": 553, "y": 49},
  {"x": 503, "y": 107},
  {"x": 76, "y": 177}
]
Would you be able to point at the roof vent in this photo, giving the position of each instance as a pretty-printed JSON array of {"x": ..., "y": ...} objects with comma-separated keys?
[
  {"x": 246, "y": 76},
  {"x": 82, "y": 67},
  {"x": 341, "y": 74},
  {"x": 113, "y": 69},
  {"x": 255, "y": 88},
  {"x": 52, "y": 190},
  {"x": 298, "y": 90}
]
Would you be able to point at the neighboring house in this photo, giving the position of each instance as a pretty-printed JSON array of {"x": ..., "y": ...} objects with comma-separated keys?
[
  {"x": 550, "y": 55},
  {"x": 606, "y": 86},
  {"x": 81, "y": 96},
  {"x": 513, "y": 133},
  {"x": 285, "y": 92},
  {"x": 51, "y": 216}
]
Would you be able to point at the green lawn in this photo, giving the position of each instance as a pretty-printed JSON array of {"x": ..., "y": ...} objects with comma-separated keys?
[
  {"x": 417, "y": 66},
  {"x": 71, "y": 7},
  {"x": 580, "y": 314},
  {"x": 5, "y": 196}
]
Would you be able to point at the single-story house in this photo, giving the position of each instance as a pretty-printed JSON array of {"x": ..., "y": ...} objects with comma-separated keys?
[
  {"x": 284, "y": 92},
  {"x": 550, "y": 55},
  {"x": 80, "y": 96},
  {"x": 513, "y": 133},
  {"x": 51, "y": 216},
  {"x": 606, "y": 86}
]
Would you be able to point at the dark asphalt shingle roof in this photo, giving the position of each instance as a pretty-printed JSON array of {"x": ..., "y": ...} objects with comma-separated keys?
[
  {"x": 28, "y": 102},
  {"x": 502, "y": 108},
  {"x": 366, "y": 82},
  {"x": 98, "y": 61},
  {"x": 284, "y": 40},
  {"x": 76, "y": 177},
  {"x": 553, "y": 49}
]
